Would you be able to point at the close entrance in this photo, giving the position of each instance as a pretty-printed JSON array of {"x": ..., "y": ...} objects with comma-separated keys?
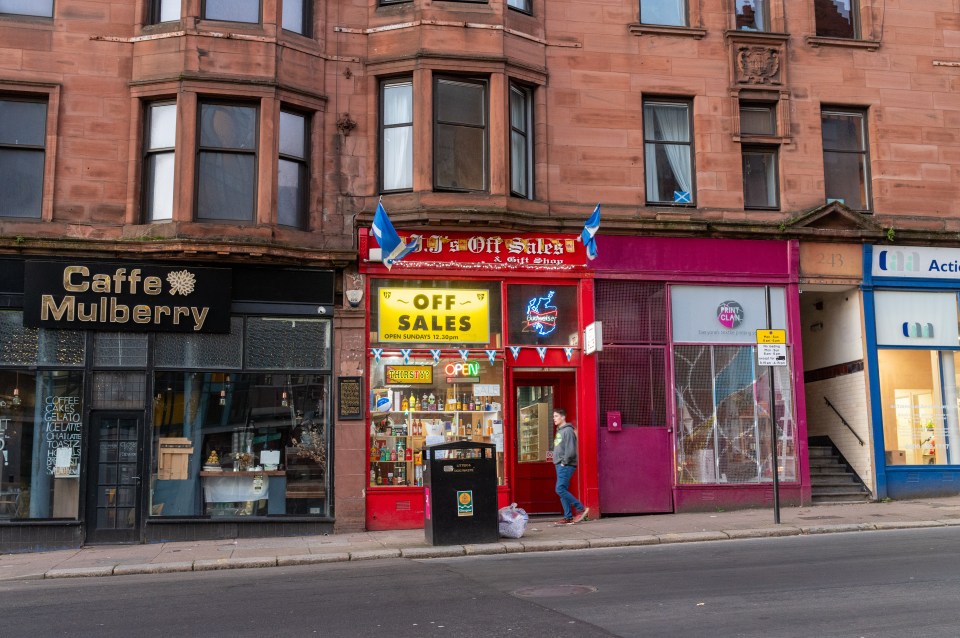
[
  {"x": 536, "y": 394},
  {"x": 113, "y": 503}
]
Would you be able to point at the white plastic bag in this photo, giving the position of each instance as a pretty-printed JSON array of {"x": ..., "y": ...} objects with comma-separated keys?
[{"x": 512, "y": 521}]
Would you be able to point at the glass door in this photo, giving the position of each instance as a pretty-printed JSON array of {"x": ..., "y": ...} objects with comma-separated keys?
[{"x": 113, "y": 502}]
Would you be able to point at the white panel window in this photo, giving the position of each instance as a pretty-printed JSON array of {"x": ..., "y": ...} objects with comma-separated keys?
[
  {"x": 916, "y": 319},
  {"x": 295, "y": 16},
  {"x": 232, "y": 10},
  {"x": 158, "y": 161},
  {"x": 724, "y": 314},
  {"x": 396, "y": 135},
  {"x": 666, "y": 12},
  {"x": 164, "y": 11}
]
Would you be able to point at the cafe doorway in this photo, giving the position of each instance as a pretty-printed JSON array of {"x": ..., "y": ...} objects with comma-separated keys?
[{"x": 114, "y": 495}]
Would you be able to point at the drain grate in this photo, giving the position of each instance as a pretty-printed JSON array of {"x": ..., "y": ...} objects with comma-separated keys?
[{"x": 551, "y": 591}]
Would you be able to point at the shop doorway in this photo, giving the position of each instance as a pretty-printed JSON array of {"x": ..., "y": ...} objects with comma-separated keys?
[
  {"x": 113, "y": 498},
  {"x": 535, "y": 395}
]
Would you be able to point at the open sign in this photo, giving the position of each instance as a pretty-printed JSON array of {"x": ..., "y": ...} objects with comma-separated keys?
[{"x": 465, "y": 369}]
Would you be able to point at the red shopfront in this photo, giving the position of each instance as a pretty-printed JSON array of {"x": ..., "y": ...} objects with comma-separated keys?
[{"x": 476, "y": 336}]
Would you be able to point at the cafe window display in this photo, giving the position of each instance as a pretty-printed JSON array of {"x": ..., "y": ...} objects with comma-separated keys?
[
  {"x": 722, "y": 394},
  {"x": 236, "y": 442}
]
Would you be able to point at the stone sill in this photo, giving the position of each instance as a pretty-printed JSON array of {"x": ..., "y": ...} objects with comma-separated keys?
[
  {"x": 659, "y": 29},
  {"x": 849, "y": 43}
]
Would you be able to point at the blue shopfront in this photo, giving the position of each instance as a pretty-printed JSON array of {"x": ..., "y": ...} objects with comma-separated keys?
[{"x": 911, "y": 297}]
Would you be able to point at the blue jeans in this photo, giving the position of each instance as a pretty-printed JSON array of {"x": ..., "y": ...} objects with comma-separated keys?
[{"x": 568, "y": 500}]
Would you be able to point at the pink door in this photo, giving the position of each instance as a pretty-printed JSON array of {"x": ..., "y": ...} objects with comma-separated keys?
[{"x": 636, "y": 469}]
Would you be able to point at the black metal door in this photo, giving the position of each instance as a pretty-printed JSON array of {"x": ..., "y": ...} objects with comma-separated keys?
[{"x": 113, "y": 498}]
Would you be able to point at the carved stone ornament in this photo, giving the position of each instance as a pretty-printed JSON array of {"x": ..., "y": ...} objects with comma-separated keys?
[{"x": 758, "y": 65}]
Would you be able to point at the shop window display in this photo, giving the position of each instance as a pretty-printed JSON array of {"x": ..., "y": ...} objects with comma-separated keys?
[
  {"x": 723, "y": 411},
  {"x": 420, "y": 402},
  {"x": 41, "y": 428},
  {"x": 236, "y": 444}
]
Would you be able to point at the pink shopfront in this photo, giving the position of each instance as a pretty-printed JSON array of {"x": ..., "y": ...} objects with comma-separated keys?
[{"x": 684, "y": 401}]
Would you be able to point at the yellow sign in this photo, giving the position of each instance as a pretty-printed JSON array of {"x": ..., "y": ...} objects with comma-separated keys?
[
  {"x": 409, "y": 374},
  {"x": 431, "y": 315},
  {"x": 771, "y": 336}
]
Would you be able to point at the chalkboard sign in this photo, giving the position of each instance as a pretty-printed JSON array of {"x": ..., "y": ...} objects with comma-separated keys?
[{"x": 349, "y": 398}]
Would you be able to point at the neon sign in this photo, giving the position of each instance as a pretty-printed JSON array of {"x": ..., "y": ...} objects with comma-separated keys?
[
  {"x": 541, "y": 315},
  {"x": 465, "y": 369}
]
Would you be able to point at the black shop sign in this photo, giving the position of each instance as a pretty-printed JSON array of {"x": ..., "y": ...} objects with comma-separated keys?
[{"x": 126, "y": 297}]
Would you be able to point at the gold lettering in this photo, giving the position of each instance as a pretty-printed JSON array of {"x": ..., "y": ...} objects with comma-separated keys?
[
  {"x": 199, "y": 318},
  {"x": 48, "y": 306},
  {"x": 68, "y": 274},
  {"x": 152, "y": 285},
  {"x": 119, "y": 313},
  {"x": 89, "y": 315},
  {"x": 101, "y": 283},
  {"x": 133, "y": 278},
  {"x": 159, "y": 311},
  {"x": 179, "y": 311},
  {"x": 141, "y": 314}
]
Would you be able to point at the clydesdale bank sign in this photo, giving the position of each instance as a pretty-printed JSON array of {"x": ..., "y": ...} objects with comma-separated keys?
[{"x": 126, "y": 297}]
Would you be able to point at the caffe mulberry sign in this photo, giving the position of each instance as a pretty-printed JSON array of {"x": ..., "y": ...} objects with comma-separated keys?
[{"x": 125, "y": 297}]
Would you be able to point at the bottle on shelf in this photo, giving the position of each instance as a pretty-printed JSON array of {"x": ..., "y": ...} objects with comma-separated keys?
[
  {"x": 458, "y": 405},
  {"x": 373, "y": 477},
  {"x": 399, "y": 450},
  {"x": 404, "y": 405},
  {"x": 374, "y": 452},
  {"x": 413, "y": 401},
  {"x": 408, "y": 454},
  {"x": 379, "y": 476},
  {"x": 424, "y": 405},
  {"x": 393, "y": 454},
  {"x": 469, "y": 429},
  {"x": 432, "y": 401}
]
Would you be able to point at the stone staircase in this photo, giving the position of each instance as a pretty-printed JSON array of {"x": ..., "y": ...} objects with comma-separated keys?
[{"x": 832, "y": 480}]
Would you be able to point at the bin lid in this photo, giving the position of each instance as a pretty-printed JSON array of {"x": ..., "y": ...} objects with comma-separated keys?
[{"x": 462, "y": 445}]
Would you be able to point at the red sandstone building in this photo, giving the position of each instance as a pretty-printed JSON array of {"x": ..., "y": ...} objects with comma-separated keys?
[{"x": 195, "y": 329}]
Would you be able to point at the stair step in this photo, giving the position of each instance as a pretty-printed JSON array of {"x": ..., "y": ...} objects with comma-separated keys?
[
  {"x": 839, "y": 500},
  {"x": 824, "y": 490}
]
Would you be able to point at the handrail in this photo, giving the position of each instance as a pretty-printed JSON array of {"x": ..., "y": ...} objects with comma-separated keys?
[{"x": 843, "y": 420}]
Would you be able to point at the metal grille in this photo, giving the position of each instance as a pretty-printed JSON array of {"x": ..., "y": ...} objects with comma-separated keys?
[
  {"x": 192, "y": 352},
  {"x": 18, "y": 345},
  {"x": 632, "y": 380},
  {"x": 723, "y": 411},
  {"x": 119, "y": 390},
  {"x": 119, "y": 350},
  {"x": 632, "y": 311},
  {"x": 62, "y": 347},
  {"x": 287, "y": 344}
]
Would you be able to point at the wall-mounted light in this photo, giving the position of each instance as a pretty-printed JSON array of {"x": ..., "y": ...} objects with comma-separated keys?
[
  {"x": 283, "y": 399},
  {"x": 16, "y": 396}
]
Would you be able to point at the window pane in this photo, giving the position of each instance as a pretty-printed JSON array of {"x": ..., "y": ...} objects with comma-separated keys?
[
  {"x": 460, "y": 103},
  {"x": 163, "y": 126},
  {"x": 233, "y": 10},
  {"x": 174, "y": 350},
  {"x": 18, "y": 345},
  {"x": 668, "y": 173},
  {"x": 398, "y": 158},
  {"x": 398, "y": 103},
  {"x": 836, "y": 18},
  {"x": 169, "y": 10},
  {"x": 523, "y": 5},
  {"x": 159, "y": 169},
  {"x": 120, "y": 350},
  {"x": 28, "y": 7},
  {"x": 753, "y": 15},
  {"x": 21, "y": 189},
  {"x": 758, "y": 120},
  {"x": 842, "y": 131},
  {"x": 666, "y": 122},
  {"x": 224, "y": 126},
  {"x": 292, "y": 19},
  {"x": 459, "y": 157},
  {"x": 292, "y": 134},
  {"x": 22, "y": 122},
  {"x": 518, "y": 163},
  {"x": 518, "y": 110},
  {"x": 289, "y": 192},
  {"x": 760, "y": 179},
  {"x": 227, "y": 185},
  {"x": 666, "y": 12},
  {"x": 913, "y": 406},
  {"x": 287, "y": 344},
  {"x": 845, "y": 179}
]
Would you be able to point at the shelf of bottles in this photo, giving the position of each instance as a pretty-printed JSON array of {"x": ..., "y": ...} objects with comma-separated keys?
[{"x": 425, "y": 417}]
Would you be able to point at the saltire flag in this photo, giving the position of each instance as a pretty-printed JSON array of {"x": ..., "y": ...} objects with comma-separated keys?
[
  {"x": 589, "y": 231},
  {"x": 392, "y": 248}
]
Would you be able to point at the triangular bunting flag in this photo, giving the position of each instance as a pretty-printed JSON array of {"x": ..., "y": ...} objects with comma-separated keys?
[
  {"x": 542, "y": 351},
  {"x": 568, "y": 351},
  {"x": 376, "y": 353},
  {"x": 516, "y": 351},
  {"x": 406, "y": 356},
  {"x": 492, "y": 355},
  {"x": 436, "y": 355},
  {"x": 464, "y": 354}
]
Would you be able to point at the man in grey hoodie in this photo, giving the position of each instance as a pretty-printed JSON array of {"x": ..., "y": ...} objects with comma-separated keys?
[{"x": 565, "y": 461}]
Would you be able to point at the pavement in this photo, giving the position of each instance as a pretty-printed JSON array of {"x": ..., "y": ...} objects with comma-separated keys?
[{"x": 541, "y": 535}]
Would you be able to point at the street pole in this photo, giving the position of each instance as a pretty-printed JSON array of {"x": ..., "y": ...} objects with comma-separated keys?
[{"x": 773, "y": 422}]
